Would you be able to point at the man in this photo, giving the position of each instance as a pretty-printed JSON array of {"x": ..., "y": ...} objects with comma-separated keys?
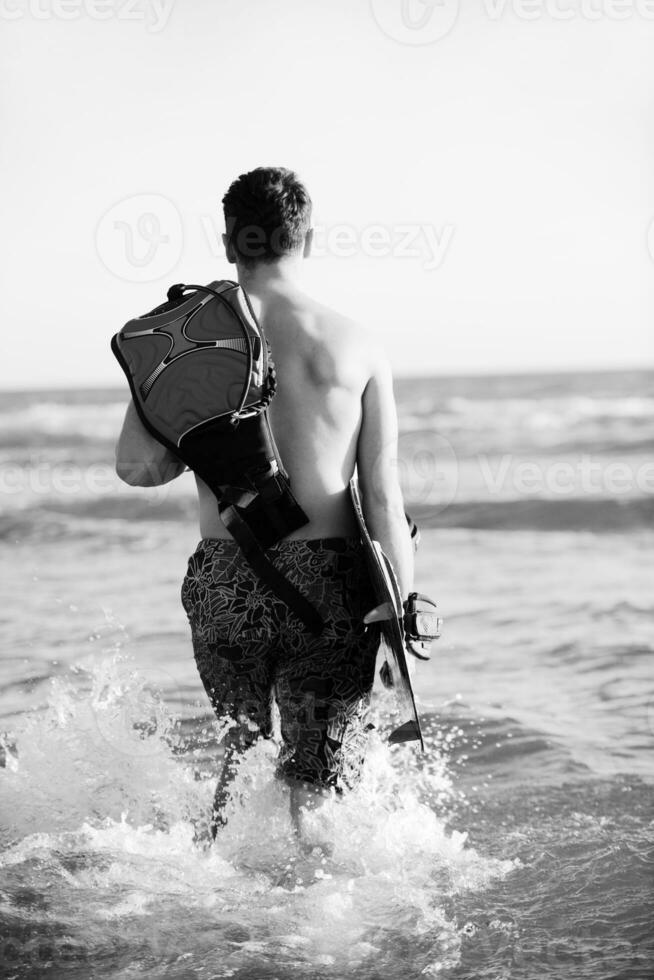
[{"x": 334, "y": 410}]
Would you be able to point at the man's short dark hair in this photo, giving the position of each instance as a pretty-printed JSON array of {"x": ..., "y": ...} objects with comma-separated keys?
[{"x": 267, "y": 215}]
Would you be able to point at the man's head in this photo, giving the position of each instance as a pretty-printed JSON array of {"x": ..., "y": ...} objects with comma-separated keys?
[{"x": 267, "y": 217}]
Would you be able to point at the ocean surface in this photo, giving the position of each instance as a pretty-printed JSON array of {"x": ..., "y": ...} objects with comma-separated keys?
[{"x": 520, "y": 844}]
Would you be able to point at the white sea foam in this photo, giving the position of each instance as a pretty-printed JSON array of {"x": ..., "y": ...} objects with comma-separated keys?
[{"x": 112, "y": 824}]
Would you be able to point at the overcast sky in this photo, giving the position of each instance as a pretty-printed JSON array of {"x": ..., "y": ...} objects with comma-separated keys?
[{"x": 483, "y": 178}]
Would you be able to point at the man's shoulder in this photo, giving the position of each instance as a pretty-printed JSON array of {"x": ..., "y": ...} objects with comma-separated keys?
[
  {"x": 341, "y": 347},
  {"x": 343, "y": 329},
  {"x": 353, "y": 343}
]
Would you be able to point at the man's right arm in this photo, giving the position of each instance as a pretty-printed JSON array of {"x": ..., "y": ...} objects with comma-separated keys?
[
  {"x": 377, "y": 466},
  {"x": 141, "y": 461}
]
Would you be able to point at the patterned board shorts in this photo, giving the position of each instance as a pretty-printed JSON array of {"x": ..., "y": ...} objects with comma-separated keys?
[{"x": 250, "y": 649}]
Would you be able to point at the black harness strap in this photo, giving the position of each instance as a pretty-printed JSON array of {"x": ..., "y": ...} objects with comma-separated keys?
[{"x": 276, "y": 582}]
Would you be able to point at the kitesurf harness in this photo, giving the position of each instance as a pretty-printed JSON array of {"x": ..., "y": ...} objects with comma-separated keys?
[{"x": 201, "y": 376}]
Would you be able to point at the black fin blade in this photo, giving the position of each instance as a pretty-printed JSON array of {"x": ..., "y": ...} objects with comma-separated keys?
[{"x": 408, "y": 732}]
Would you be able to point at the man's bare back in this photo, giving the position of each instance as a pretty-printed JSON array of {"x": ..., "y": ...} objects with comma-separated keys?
[
  {"x": 333, "y": 410},
  {"x": 323, "y": 362}
]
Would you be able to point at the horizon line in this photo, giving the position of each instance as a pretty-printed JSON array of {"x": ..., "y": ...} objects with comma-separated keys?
[{"x": 456, "y": 374}]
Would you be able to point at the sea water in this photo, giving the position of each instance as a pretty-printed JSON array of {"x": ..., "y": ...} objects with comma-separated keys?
[{"x": 518, "y": 845}]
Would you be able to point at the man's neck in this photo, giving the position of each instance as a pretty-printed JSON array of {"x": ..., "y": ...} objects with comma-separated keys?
[{"x": 268, "y": 277}]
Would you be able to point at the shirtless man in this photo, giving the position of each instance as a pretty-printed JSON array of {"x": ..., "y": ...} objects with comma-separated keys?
[{"x": 334, "y": 410}]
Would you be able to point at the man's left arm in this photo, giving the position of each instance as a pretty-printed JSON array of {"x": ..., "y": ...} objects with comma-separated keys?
[{"x": 142, "y": 461}]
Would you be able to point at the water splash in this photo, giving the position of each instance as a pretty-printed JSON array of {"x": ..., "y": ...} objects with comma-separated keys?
[{"x": 105, "y": 808}]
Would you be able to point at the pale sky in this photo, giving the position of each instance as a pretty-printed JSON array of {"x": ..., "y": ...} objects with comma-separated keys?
[{"x": 511, "y": 158}]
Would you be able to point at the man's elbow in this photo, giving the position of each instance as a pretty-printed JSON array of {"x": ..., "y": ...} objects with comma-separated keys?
[
  {"x": 149, "y": 472},
  {"x": 134, "y": 474},
  {"x": 382, "y": 496}
]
